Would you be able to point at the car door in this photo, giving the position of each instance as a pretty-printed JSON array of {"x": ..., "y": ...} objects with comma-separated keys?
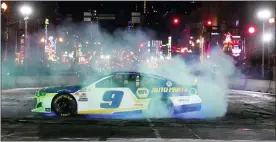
[
  {"x": 89, "y": 97},
  {"x": 113, "y": 94}
]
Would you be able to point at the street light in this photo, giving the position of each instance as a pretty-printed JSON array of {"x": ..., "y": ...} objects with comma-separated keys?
[
  {"x": 198, "y": 41},
  {"x": 271, "y": 20},
  {"x": 263, "y": 15},
  {"x": 60, "y": 39},
  {"x": 4, "y": 6},
  {"x": 42, "y": 40},
  {"x": 26, "y": 11}
]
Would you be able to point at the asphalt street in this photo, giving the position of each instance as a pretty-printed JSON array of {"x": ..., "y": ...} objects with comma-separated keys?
[{"x": 249, "y": 117}]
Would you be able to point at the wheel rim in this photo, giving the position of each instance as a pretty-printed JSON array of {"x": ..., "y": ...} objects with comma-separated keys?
[{"x": 63, "y": 106}]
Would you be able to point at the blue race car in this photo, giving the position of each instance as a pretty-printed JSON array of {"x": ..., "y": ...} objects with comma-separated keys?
[{"x": 119, "y": 92}]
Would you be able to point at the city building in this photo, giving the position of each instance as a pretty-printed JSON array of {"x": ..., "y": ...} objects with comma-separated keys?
[{"x": 135, "y": 21}]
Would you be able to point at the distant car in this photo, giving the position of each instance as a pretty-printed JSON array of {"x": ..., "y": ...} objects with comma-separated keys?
[{"x": 119, "y": 92}]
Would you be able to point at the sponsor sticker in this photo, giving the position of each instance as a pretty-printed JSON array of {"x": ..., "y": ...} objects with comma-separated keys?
[
  {"x": 65, "y": 114},
  {"x": 183, "y": 100},
  {"x": 64, "y": 90},
  {"x": 83, "y": 97},
  {"x": 167, "y": 89},
  {"x": 139, "y": 105},
  {"x": 62, "y": 96},
  {"x": 47, "y": 109},
  {"x": 142, "y": 92}
]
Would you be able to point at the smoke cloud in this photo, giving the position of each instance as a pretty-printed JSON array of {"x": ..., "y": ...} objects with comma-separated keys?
[
  {"x": 212, "y": 87},
  {"x": 212, "y": 83}
]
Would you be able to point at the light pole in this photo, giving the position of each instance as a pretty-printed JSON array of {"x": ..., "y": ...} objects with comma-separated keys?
[
  {"x": 263, "y": 15},
  {"x": 267, "y": 38},
  {"x": 4, "y": 6},
  {"x": 271, "y": 21},
  {"x": 26, "y": 11}
]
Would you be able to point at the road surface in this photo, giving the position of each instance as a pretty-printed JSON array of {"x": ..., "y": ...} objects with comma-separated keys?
[{"x": 249, "y": 117}]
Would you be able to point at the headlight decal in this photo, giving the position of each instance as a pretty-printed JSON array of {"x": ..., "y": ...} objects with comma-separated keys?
[
  {"x": 193, "y": 91},
  {"x": 41, "y": 93}
]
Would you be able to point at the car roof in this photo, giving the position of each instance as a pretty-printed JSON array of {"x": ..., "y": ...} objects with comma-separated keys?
[{"x": 137, "y": 73}]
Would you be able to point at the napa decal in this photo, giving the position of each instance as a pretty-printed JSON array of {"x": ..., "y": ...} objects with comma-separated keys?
[
  {"x": 142, "y": 92},
  {"x": 167, "y": 89}
]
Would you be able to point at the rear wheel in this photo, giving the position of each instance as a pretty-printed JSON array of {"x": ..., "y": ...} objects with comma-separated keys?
[
  {"x": 64, "y": 105},
  {"x": 160, "y": 108}
]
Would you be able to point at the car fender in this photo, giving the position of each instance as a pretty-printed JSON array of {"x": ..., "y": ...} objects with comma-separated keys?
[{"x": 46, "y": 101}]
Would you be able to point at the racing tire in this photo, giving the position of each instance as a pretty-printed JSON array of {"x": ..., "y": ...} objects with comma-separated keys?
[
  {"x": 160, "y": 108},
  {"x": 64, "y": 105}
]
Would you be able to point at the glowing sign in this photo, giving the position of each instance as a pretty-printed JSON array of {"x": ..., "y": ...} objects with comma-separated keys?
[
  {"x": 46, "y": 21},
  {"x": 228, "y": 37},
  {"x": 227, "y": 42},
  {"x": 236, "y": 36},
  {"x": 186, "y": 50},
  {"x": 214, "y": 33},
  {"x": 65, "y": 54},
  {"x": 52, "y": 42},
  {"x": 236, "y": 51},
  {"x": 71, "y": 55},
  {"x": 169, "y": 47}
]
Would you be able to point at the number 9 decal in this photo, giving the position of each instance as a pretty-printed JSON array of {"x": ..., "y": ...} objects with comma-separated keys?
[{"x": 112, "y": 99}]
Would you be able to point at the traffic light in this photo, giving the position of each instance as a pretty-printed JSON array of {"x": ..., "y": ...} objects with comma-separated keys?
[
  {"x": 209, "y": 22},
  {"x": 175, "y": 20},
  {"x": 251, "y": 30}
]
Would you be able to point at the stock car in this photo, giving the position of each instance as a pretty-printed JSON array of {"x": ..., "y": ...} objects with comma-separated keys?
[{"x": 119, "y": 92}]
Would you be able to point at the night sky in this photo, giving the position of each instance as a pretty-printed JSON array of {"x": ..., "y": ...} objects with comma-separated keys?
[{"x": 110, "y": 6}]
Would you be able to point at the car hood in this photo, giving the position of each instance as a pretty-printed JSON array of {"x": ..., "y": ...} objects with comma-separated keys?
[{"x": 57, "y": 89}]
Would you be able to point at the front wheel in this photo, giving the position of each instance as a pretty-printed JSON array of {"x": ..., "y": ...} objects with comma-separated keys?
[{"x": 64, "y": 105}]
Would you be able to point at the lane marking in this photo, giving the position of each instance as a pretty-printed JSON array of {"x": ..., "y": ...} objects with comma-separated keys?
[
  {"x": 255, "y": 94},
  {"x": 197, "y": 136},
  {"x": 156, "y": 133},
  {"x": 250, "y": 92},
  {"x": 81, "y": 139}
]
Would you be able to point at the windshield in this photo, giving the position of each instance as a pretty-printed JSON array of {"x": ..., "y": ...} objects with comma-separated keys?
[{"x": 143, "y": 70}]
